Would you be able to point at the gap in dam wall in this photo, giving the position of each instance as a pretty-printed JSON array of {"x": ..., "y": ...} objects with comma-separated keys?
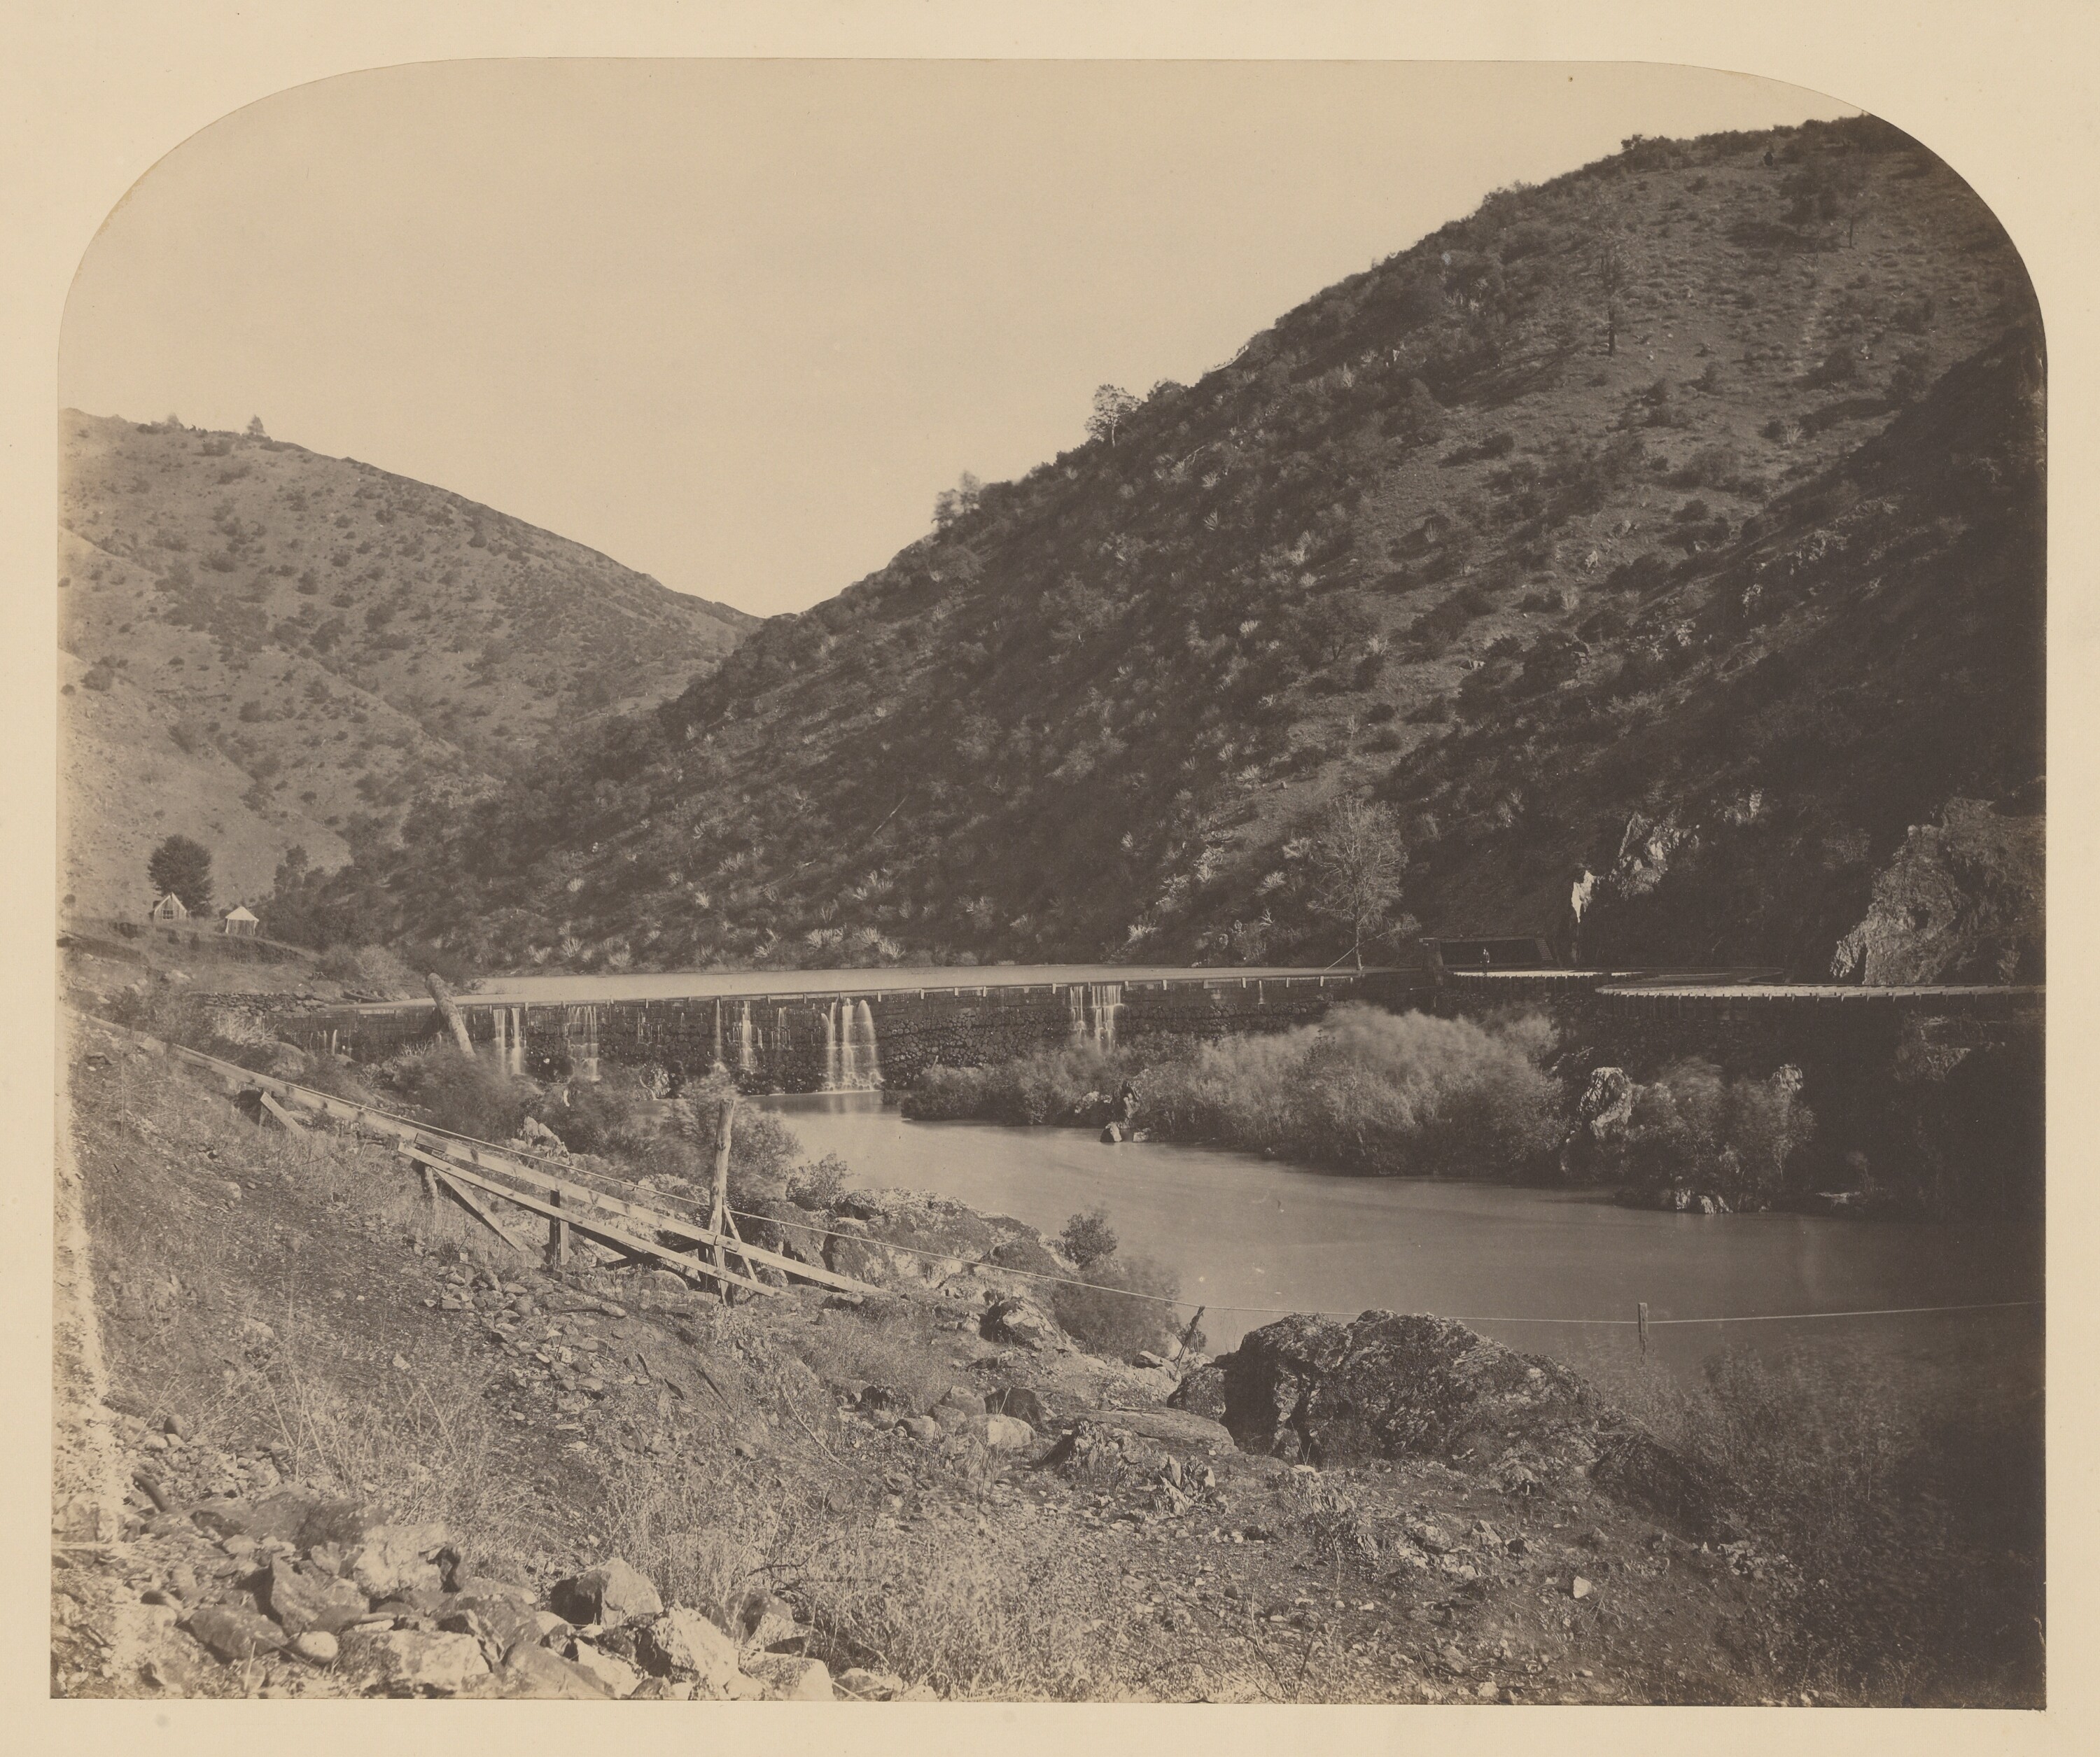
[{"x": 830, "y": 1042}]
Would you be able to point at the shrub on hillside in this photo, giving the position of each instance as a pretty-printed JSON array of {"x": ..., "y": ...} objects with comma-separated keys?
[
  {"x": 816, "y": 1187},
  {"x": 1832, "y": 1464},
  {"x": 603, "y": 1117},
  {"x": 1123, "y": 1309},
  {"x": 1088, "y": 1239},
  {"x": 366, "y": 966},
  {"x": 465, "y": 1094}
]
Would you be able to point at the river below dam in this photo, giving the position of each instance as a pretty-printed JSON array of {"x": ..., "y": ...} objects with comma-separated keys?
[{"x": 1251, "y": 1238}]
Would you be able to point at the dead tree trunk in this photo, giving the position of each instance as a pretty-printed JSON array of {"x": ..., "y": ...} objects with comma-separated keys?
[{"x": 449, "y": 1013}]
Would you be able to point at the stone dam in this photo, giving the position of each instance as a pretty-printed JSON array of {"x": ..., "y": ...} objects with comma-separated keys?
[{"x": 848, "y": 1030}]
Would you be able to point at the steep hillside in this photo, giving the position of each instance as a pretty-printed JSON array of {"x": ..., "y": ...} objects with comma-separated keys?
[
  {"x": 275, "y": 647},
  {"x": 1678, "y": 520}
]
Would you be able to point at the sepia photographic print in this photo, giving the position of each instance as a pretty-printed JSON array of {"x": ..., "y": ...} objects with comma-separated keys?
[{"x": 1181, "y": 882}]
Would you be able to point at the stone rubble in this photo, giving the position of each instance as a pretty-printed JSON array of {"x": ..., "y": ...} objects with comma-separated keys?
[{"x": 337, "y": 1590}]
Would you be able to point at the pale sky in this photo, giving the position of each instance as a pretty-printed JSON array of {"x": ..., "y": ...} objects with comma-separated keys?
[{"x": 736, "y": 323}]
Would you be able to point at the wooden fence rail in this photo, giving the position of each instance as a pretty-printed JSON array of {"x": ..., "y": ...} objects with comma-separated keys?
[{"x": 592, "y": 1213}]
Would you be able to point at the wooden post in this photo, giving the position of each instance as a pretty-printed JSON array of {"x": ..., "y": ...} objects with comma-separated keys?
[
  {"x": 449, "y": 1013},
  {"x": 1640, "y": 1315},
  {"x": 430, "y": 1191},
  {"x": 720, "y": 1209},
  {"x": 558, "y": 1235},
  {"x": 1188, "y": 1333}
]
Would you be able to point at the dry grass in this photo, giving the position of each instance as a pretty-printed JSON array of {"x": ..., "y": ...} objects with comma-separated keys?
[
  {"x": 994, "y": 1620},
  {"x": 880, "y": 1342},
  {"x": 1867, "y": 1507}
]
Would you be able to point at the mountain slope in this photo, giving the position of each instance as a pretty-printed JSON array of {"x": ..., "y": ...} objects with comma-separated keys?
[
  {"x": 1489, "y": 531},
  {"x": 298, "y": 644}
]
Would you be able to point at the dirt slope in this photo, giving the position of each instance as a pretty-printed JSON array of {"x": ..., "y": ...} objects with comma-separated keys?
[{"x": 299, "y": 644}]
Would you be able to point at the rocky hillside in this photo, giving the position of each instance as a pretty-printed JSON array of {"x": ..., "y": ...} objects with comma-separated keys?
[
  {"x": 1678, "y": 521},
  {"x": 265, "y": 648}
]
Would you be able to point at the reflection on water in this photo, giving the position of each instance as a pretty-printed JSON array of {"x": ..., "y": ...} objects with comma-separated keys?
[{"x": 1251, "y": 1236}]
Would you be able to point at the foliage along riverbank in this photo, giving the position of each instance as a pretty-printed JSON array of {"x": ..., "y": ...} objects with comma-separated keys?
[{"x": 1414, "y": 1096}]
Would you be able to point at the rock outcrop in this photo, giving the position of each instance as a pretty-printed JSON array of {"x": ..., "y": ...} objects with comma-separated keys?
[
  {"x": 1383, "y": 1386},
  {"x": 1961, "y": 901},
  {"x": 1603, "y": 1116}
]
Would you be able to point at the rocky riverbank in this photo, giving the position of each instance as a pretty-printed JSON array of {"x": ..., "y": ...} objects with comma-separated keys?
[{"x": 330, "y": 1415}]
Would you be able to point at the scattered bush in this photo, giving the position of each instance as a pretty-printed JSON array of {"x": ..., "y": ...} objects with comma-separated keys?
[
  {"x": 1126, "y": 1306},
  {"x": 816, "y": 1187},
  {"x": 1367, "y": 1091},
  {"x": 466, "y": 1094},
  {"x": 1043, "y": 1086},
  {"x": 1088, "y": 1239},
  {"x": 377, "y": 967},
  {"x": 1711, "y": 467}
]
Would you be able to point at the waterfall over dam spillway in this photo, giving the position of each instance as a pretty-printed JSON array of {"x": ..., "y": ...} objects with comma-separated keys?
[
  {"x": 509, "y": 1028},
  {"x": 863, "y": 1060},
  {"x": 872, "y": 1029},
  {"x": 852, "y": 1061},
  {"x": 1093, "y": 1008}
]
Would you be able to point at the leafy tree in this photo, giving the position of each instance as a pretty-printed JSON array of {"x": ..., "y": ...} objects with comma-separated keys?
[
  {"x": 1853, "y": 195},
  {"x": 1087, "y": 1239},
  {"x": 255, "y": 428},
  {"x": 958, "y": 502},
  {"x": 1113, "y": 406},
  {"x": 1356, "y": 859},
  {"x": 183, "y": 867},
  {"x": 1417, "y": 417},
  {"x": 1611, "y": 278},
  {"x": 1830, "y": 187}
]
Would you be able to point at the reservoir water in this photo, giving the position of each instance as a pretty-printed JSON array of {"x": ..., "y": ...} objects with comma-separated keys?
[{"x": 1252, "y": 1238}]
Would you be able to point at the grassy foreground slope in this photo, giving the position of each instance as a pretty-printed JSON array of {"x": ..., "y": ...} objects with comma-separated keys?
[
  {"x": 265, "y": 647},
  {"x": 1687, "y": 502}
]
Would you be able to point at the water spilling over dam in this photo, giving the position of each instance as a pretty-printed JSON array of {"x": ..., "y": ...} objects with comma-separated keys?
[{"x": 859, "y": 1032}]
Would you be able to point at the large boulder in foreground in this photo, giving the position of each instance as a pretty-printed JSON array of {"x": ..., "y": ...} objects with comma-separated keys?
[{"x": 1383, "y": 1386}]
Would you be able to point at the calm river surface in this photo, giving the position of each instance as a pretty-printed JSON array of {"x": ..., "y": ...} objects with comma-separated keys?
[{"x": 1251, "y": 1236}]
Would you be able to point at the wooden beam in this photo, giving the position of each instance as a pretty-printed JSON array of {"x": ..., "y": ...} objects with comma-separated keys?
[
  {"x": 671, "y": 1225},
  {"x": 487, "y": 1159},
  {"x": 557, "y": 1235},
  {"x": 292, "y": 1124},
  {"x": 458, "y": 1193},
  {"x": 597, "y": 1229}
]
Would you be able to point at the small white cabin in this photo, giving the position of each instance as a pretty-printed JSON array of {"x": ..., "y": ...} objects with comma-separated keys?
[{"x": 169, "y": 907}]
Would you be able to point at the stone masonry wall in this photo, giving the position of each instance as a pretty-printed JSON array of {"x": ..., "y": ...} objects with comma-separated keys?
[{"x": 806, "y": 1043}]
